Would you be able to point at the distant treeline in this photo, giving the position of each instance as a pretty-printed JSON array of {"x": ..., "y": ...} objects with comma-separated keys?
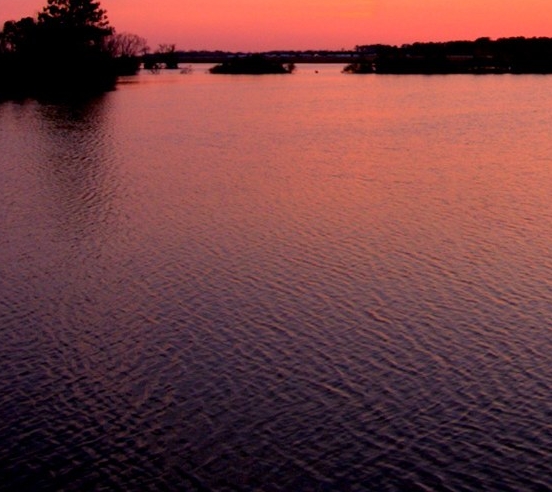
[
  {"x": 484, "y": 55},
  {"x": 282, "y": 56}
]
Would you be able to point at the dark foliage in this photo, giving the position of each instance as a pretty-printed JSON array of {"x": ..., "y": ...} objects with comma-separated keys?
[
  {"x": 504, "y": 55},
  {"x": 360, "y": 67},
  {"x": 63, "y": 51},
  {"x": 252, "y": 65},
  {"x": 166, "y": 55},
  {"x": 127, "y": 50}
]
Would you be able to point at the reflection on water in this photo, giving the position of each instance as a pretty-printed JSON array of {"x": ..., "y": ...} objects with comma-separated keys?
[
  {"x": 316, "y": 282},
  {"x": 77, "y": 169}
]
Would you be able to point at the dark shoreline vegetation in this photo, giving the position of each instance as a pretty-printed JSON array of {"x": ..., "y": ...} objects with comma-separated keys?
[
  {"x": 70, "y": 49},
  {"x": 517, "y": 55}
]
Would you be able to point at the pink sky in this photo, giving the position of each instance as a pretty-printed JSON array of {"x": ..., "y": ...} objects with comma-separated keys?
[{"x": 257, "y": 25}]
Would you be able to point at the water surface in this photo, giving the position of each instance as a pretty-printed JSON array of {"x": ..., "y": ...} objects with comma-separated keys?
[{"x": 306, "y": 282}]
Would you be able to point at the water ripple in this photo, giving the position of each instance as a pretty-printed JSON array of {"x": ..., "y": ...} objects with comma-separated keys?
[{"x": 181, "y": 310}]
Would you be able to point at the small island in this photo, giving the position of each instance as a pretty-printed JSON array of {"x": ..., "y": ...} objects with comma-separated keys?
[{"x": 252, "y": 65}]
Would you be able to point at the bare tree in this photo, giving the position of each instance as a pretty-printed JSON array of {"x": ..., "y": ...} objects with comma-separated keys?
[
  {"x": 126, "y": 45},
  {"x": 166, "y": 54},
  {"x": 165, "y": 49}
]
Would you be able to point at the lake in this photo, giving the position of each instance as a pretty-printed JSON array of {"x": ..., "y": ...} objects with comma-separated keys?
[{"x": 308, "y": 282}]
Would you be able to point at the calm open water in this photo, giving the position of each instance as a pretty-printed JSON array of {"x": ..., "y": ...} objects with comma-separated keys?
[{"x": 315, "y": 282}]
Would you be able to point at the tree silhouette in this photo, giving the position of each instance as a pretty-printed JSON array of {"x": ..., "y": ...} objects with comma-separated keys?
[
  {"x": 63, "y": 50},
  {"x": 126, "y": 45},
  {"x": 166, "y": 54},
  {"x": 74, "y": 25},
  {"x": 18, "y": 37},
  {"x": 126, "y": 50},
  {"x": 75, "y": 14}
]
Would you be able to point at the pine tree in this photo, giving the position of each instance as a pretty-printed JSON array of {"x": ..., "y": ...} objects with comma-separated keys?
[
  {"x": 75, "y": 14},
  {"x": 72, "y": 51},
  {"x": 77, "y": 24}
]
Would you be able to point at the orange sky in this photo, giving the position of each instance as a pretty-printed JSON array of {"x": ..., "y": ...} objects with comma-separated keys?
[{"x": 251, "y": 25}]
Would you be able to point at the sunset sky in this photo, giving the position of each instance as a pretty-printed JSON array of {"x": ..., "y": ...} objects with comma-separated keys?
[{"x": 257, "y": 25}]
